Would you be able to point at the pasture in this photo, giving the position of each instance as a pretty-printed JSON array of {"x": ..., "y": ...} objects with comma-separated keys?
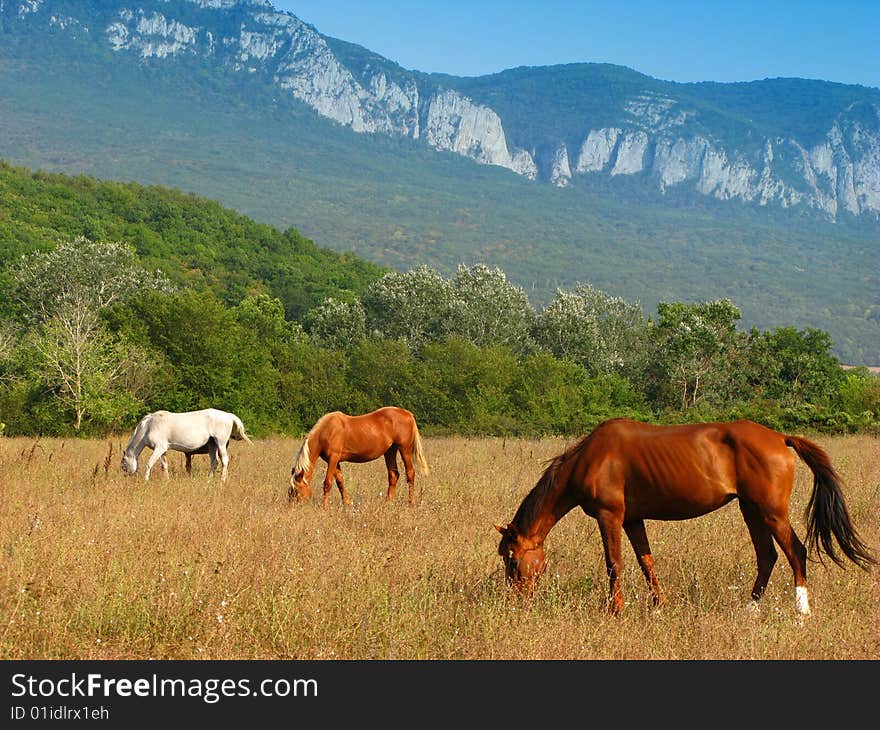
[{"x": 97, "y": 565}]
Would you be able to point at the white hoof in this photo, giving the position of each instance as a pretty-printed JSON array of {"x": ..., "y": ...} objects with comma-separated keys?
[{"x": 802, "y": 601}]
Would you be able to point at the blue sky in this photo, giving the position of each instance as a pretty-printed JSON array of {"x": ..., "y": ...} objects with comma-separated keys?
[{"x": 676, "y": 41}]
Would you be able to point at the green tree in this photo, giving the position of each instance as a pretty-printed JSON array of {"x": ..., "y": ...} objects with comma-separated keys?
[
  {"x": 9, "y": 337},
  {"x": 414, "y": 307},
  {"x": 858, "y": 394},
  {"x": 217, "y": 361},
  {"x": 695, "y": 346},
  {"x": 89, "y": 370},
  {"x": 604, "y": 334},
  {"x": 263, "y": 315},
  {"x": 547, "y": 394},
  {"x": 79, "y": 273},
  {"x": 489, "y": 311},
  {"x": 384, "y": 373},
  {"x": 314, "y": 381},
  {"x": 795, "y": 366},
  {"x": 468, "y": 387},
  {"x": 62, "y": 294},
  {"x": 337, "y": 325}
]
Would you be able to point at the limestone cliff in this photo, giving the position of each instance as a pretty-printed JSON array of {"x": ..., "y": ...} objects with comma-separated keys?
[{"x": 672, "y": 140}]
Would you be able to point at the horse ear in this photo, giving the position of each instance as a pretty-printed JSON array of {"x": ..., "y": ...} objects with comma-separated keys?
[{"x": 502, "y": 530}]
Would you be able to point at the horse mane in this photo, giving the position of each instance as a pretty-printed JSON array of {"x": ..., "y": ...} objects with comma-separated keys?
[
  {"x": 138, "y": 434},
  {"x": 532, "y": 506},
  {"x": 303, "y": 456}
]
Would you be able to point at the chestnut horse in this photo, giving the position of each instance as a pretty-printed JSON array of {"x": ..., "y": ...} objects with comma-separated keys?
[
  {"x": 338, "y": 437},
  {"x": 626, "y": 472}
]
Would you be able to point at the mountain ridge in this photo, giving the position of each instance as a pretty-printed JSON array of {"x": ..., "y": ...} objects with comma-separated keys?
[{"x": 638, "y": 125}]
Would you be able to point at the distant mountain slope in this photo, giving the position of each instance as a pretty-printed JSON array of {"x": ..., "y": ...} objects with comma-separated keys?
[
  {"x": 785, "y": 142},
  {"x": 672, "y": 191}
]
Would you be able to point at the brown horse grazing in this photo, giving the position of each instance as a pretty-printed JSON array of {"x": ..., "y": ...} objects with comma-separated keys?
[
  {"x": 338, "y": 437},
  {"x": 626, "y": 472}
]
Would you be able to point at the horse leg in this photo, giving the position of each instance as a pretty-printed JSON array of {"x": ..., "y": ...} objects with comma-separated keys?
[
  {"x": 164, "y": 462},
  {"x": 406, "y": 454},
  {"x": 765, "y": 551},
  {"x": 796, "y": 553},
  {"x": 224, "y": 461},
  {"x": 638, "y": 538},
  {"x": 212, "y": 455},
  {"x": 393, "y": 471},
  {"x": 610, "y": 525},
  {"x": 158, "y": 453},
  {"x": 341, "y": 486},
  {"x": 332, "y": 466},
  {"x": 189, "y": 463}
]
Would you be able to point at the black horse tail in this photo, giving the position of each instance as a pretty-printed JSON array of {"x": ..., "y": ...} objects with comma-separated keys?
[{"x": 826, "y": 513}]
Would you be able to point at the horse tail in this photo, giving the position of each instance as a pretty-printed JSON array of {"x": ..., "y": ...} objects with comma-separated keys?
[
  {"x": 238, "y": 430},
  {"x": 418, "y": 450},
  {"x": 826, "y": 512}
]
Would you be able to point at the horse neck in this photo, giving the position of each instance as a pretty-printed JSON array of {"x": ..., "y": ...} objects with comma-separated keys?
[
  {"x": 136, "y": 443},
  {"x": 547, "y": 503},
  {"x": 311, "y": 446},
  {"x": 139, "y": 439}
]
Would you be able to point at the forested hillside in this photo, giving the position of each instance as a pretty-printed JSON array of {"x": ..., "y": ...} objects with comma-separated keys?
[
  {"x": 119, "y": 299},
  {"x": 195, "y": 241}
]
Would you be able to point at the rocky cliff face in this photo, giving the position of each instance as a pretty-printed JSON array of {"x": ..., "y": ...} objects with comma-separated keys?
[
  {"x": 664, "y": 139},
  {"x": 842, "y": 172}
]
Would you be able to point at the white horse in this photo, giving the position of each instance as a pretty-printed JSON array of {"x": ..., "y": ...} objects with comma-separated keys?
[{"x": 196, "y": 432}]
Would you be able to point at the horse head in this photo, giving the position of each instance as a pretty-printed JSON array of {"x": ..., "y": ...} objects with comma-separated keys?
[
  {"x": 129, "y": 463},
  {"x": 524, "y": 559},
  {"x": 299, "y": 486}
]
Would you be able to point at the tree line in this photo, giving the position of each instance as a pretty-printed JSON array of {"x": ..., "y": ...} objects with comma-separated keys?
[{"x": 90, "y": 340}]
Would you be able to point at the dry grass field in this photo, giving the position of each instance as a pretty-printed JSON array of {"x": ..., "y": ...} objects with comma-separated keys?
[{"x": 97, "y": 565}]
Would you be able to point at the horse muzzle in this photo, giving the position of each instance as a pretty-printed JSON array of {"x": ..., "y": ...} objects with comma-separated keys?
[
  {"x": 523, "y": 575},
  {"x": 298, "y": 490}
]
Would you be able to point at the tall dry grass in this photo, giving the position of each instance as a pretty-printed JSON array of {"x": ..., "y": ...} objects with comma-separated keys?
[{"x": 96, "y": 565}]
